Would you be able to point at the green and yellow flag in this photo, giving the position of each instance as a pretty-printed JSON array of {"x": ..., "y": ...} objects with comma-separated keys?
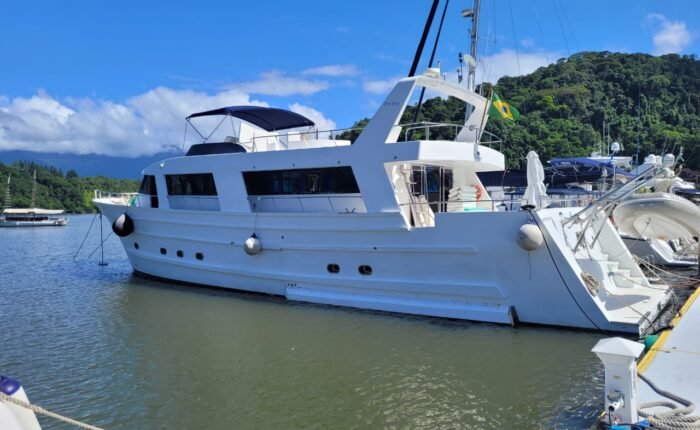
[{"x": 502, "y": 108}]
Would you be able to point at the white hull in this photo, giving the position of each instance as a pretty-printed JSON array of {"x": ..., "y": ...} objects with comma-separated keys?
[
  {"x": 48, "y": 223},
  {"x": 468, "y": 266}
]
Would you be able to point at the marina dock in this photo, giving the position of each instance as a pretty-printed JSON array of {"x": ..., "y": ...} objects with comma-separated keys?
[
  {"x": 661, "y": 390},
  {"x": 673, "y": 362}
]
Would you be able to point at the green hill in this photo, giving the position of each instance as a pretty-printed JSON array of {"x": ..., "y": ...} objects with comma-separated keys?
[
  {"x": 563, "y": 106},
  {"x": 54, "y": 189}
]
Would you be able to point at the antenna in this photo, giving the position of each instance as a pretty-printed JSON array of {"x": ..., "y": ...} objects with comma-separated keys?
[{"x": 472, "y": 13}]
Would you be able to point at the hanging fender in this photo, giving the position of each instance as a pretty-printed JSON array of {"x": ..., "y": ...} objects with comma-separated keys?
[{"x": 123, "y": 225}]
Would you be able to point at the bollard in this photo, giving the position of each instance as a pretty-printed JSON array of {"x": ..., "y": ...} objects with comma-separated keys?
[{"x": 619, "y": 356}]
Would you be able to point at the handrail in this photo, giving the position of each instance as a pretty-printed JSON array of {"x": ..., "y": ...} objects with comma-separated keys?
[
  {"x": 426, "y": 126},
  {"x": 126, "y": 198},
  {"x": 304, "y": 135}
]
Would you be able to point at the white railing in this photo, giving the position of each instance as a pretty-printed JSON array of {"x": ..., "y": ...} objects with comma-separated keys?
[
  {"x": 485, "y": 138},
  {"x": 499, "y": 205},
  {"x": 306, "y": 138},
  {"x": 126, "y": 199},
  {"x": 310, "y": 139},
  {"x": 336, "y": 203}
]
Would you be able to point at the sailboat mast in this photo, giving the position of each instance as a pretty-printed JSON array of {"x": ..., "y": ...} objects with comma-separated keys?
[
  {"x": 8, "y": 198},
  {"x": 33, "y": 204}
]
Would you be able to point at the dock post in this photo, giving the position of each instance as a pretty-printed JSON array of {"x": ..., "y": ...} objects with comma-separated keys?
[{"x": 619, "y": 356}]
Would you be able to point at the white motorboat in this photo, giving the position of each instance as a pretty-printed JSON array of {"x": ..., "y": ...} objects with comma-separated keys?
[
  {"x": 659, "y": 227},
  {"x": 29, "y": 217},
  {"x": 386, "y": 223},
  {"x": 32, "y": 217}
]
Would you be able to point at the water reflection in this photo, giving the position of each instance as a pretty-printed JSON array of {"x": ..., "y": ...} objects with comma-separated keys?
[{"x": 121, "y": 351}]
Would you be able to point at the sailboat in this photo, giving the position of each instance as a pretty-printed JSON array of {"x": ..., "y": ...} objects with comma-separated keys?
[{"x": 29, "y": 217}]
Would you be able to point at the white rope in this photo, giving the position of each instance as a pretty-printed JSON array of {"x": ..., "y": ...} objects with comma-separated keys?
[{"x": 39, "y": 410}]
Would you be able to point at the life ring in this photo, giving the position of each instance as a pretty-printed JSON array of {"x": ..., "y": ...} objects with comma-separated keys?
[{"x": 479, "y": 191}]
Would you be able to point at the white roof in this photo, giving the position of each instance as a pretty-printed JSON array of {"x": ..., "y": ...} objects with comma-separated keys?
[{"x": 35, "y": 211}]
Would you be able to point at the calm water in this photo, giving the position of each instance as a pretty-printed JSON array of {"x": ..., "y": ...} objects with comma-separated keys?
[{"x": 118, "y": 351}]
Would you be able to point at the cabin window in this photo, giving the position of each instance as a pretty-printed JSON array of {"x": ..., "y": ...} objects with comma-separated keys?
[
  {"x": 326, "y": 180},
  {"x": 197, "y": 184},
  {"x": 148, "y": 187}
]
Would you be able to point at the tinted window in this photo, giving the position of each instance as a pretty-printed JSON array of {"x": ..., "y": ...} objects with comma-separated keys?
[
  {"x": 148, "y": 185},
  {"x": 198, "y": 184},
  {"x": 328, "y": 180}
]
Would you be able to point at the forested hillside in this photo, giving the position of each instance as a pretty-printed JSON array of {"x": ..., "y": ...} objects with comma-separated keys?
[
  {"x": 56, "y": 190},
  {"x": 563, "y": 106}
]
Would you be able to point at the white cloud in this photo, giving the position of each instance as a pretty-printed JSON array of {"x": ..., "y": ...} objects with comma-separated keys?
[
  {"x": 145, "y": 124},
  {"x": 669, "y": 36},
  {"x": 322, "y": 123},
  {"x": 142, "y": 125},
  {"x": 334, "y": 70},
  {"x": 380, "y": 86},
  {"x": 280, "y": 84},
  {"x": 507, "y": 63},
  {"x": 528, "y": 42}
]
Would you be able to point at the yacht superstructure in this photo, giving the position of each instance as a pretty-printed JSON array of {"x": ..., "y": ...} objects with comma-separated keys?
[{"x": 389, "y": 222}]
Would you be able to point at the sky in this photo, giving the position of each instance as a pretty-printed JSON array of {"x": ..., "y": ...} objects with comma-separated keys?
[{"x": 118, "y": 78}]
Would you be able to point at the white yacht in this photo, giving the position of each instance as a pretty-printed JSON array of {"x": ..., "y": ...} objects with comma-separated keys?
[{"x": 388, "y": 223}]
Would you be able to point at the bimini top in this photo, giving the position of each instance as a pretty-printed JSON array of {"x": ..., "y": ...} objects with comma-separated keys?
[{"x": 269, "y": 119}]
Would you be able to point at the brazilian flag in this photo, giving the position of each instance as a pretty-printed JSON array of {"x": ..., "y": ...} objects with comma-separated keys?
[{"x": 502, "y": 108}]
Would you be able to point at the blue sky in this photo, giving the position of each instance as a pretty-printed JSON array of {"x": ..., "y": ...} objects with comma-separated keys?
[{"x": 116, "y": 78}]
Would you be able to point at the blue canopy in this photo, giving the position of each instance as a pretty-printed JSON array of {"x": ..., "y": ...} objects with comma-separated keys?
[{"x": 269, "y": 119}]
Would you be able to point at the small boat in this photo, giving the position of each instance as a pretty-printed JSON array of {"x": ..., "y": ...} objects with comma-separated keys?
[
  {"x": 32, "y": 217},
  {"x": 29, "y": 217},
  {"x": 659, "y": 228}
]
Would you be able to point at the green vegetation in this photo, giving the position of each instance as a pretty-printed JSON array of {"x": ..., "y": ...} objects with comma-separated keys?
[
  {"x": 54, "y": 189},
  {"x": 563, "y": 106}
]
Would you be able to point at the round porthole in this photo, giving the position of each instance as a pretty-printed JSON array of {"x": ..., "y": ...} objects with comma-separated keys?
[
  {"x": 333, "y": 268},
  {"x": 199, "y": 256},
  {"x": 136, "y": 245},
  {"x": 365, "y": 269},
  {"x": 179, "y": 253},
  {"x": 163, "y": 251}
]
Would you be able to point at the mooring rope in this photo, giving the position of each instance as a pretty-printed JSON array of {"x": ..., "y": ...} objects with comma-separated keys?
[{"x": 39, "y": 410}]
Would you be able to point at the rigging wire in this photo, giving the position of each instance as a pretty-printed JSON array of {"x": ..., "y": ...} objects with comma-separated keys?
[
  {"x": 515, "y": 37},
  {"x": 430, "y": 63},
  {"x": 571, "y": 28},
  {"x": 563, "y": 33}
]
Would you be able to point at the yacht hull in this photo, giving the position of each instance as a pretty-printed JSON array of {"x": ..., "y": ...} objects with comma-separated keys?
[{"x": 468, "y": 266}]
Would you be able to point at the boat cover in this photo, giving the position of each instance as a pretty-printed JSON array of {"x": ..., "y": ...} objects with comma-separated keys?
[
  {"x": 32, "y": 211},
  {"x": 269, "y": 119}
]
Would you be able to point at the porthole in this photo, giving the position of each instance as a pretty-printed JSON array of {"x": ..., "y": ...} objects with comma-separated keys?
[
  {"x": 199, "y": 256},
  {"x": 365, "y": 269},
  {"x": 179, "y": 253},
  {"x": 163, "y": 251},
  {"x": 136, "y": 245},
  {"x": 333, "y": 268}
]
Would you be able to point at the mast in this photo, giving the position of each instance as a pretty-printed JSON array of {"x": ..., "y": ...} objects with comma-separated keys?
[
  {"x": 474, "y": 15},
  {"x": 33, "y": 204},
  {"x": 8, "y": 198},
  {"x": 424, "y": 36}
]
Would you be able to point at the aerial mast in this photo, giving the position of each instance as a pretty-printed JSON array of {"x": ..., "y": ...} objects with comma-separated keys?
[{"x": 472, "y": 13}]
